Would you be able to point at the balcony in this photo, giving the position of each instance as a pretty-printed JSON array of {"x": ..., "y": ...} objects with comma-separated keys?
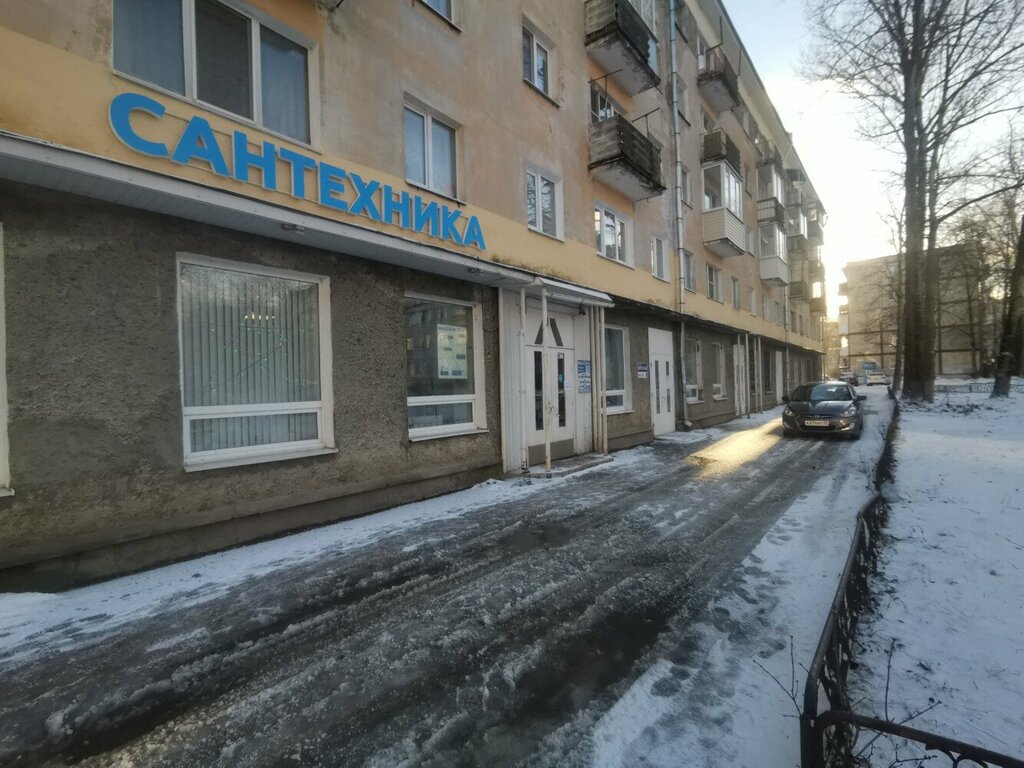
[
  {"x": 798, "y": 290},
  {"x": 817, "y": 304},
  {"x": 625, "y": 159},
  {"x": 843, "y": 287},
  {"x": 815, "y": 235},
  {"x": 724, "y": 233},
  {"x": 717, "y": 80},
  {"x": 718, "y": 146},
  {"x": 796, "y": 245},
  {"x": 815, "y": 269},
  {"x": 618, "y": 39},
  {"x": 771, "y": 210},
  {"x": 774, "y": 270},
  {"x": 770, "y": 154}
]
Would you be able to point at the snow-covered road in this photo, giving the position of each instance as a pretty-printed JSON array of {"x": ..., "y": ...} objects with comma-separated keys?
[{"x": 608, "y": 618}]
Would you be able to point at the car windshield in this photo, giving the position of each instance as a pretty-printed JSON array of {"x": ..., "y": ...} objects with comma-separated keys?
[{"x": 822, "y": 392}]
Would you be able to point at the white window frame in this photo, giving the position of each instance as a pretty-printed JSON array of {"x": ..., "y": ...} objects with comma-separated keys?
[
  {"x": 731, "y": 187},
  {"x": 450, "y": 18},
  {"x": 537, "y": 174},
  {"x": 627, "y": 238},
  {"x": 714, "y": 277},
  {"x": 682, "y": 97},
  {"x": 428, "y": 152},
  {"x": 626, "y": 391},
  {"x": 477, "y": 399},
  {"x": 779, "y": 319},
  {"x": 5, "y": 446},
  {"x": 695, "y": 386},
  {"x": 659, "y": 268},
  {"x": 538, "y": 41},
  {"x": 324, "y": 407},
  {"x": 689, "y": 271},
  {"x": 685, "y": 193},
  {"x": 737, "y": 295},
  {"x": 753, "y": 302},
  {"x": 718, "y": 386},
  {"x": 257, "y": 18}
]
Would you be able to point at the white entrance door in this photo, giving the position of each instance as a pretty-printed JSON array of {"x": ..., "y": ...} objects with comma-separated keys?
[
  {"x": 551, "y": 377},
  {"x": 663, "y": 391}
]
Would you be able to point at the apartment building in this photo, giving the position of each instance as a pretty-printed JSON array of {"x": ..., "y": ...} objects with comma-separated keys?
[
  {"x": 966, "y": 316},
  {"x": 271, "y": 263}
]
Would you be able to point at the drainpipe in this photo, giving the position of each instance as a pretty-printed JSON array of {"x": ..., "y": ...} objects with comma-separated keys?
[
  {"x": 523, "y": 401},
  {"x": 677, "y": 201},
  {"x": 544, "y": 374}
]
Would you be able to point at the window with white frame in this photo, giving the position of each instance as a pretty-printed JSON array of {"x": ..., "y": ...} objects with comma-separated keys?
[
  {"x": 659, "y": 258},
  {"x": 209, "y": 52},
  {"x": 443, "y": 7},
  {"x": 753, "y": 302},
  {"x": 684, "y": 185},
  {"x": 602, "y": 106},
  {"x": 444, "y": 366},
  {"x": 693, "y": 371},
  {"x": 736, "y": 295},
  {"x": 714, "y": 283},
  {"x": 611, "y": 234},
  {"x": 255, "y": 362},
  {"x": 430, "y": 152},
  {"x": 682, "y": 97},
  {"x": 779, "y": 317},
  {"x": 764, "y": 308},
  {"x": 616, "y": 369},
  {"x": 773, "y": 241},
  {"x": 722, "y": 189},
  {"x": 536, "y": 62},
  {"x": 689, "y": 272},
  {"x": 718, "y": 386},
  {"x": 543, "y": 203}
]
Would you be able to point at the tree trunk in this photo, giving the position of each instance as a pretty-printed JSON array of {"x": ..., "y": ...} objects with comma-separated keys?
[{"x": 1008, "y": 360}]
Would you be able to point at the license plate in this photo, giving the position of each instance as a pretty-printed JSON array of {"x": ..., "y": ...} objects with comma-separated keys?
[{"x": 816, "y": 422}]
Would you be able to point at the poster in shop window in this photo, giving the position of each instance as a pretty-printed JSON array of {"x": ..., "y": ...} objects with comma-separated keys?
[{"x": 452, "y": 345}]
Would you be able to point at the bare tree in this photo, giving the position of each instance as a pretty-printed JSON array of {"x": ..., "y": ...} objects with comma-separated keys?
[{"x": 926, "y": 71}]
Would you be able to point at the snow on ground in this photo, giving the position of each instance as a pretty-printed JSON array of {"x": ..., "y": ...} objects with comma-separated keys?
[
  {"x": 725, "y": 699},
  {"x": 950, "y": 600},
  {"x": 56, "y": 621}
]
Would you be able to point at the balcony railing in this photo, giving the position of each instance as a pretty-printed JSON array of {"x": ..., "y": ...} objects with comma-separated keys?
[
  {"x": 624, "y": 158},
  {"x": 618, "y": 39},
  {"x": 796, "y": 245},
  {"x": 815, "y": 269},
  {"x": 718, "y": 146},
  {"x": 717, "y": 80},
  {"x": 798, "y": 290},
  {"x": 771, "y": 210},
  {"x": 770, "y": 153},
  {"x": 724, "y": 232},
  {"x": 817, "y": 304},
  {"x": 774, "y": 270}
]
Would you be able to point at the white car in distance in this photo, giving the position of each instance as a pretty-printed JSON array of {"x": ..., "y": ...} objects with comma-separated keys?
[{"x": 876, "y": 377}]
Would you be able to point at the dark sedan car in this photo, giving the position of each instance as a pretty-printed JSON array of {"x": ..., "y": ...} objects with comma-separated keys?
[{"x": 822, "y": 407}]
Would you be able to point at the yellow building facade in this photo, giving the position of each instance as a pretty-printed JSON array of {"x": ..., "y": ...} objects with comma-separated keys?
[{"x": 270, "y": 263}]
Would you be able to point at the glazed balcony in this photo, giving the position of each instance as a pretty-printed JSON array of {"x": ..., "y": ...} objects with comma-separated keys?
[
  {"x": 718, "y": 146},
  {"x": 798, "y": 290},
  {"x": 771, "y": 210},
  {"x": 724, "y": 232},
  {"x": 796, "y": 245},
  {"x": 625, "y": 159},
  {"x": 717, "y": 80},
  {"x": 774, "y": 270},
  {"x": 817, "y": 304},
  {"x": 618, "y": 39}
]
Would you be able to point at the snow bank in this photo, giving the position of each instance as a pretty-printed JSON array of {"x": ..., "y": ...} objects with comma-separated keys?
[{"x": 950, "y": 596}]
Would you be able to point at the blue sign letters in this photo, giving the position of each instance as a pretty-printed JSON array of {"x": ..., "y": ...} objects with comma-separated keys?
[{"x": 369, "y": 198}]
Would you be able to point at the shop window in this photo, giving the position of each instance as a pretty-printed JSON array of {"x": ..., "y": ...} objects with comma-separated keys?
[
  {"x": 659, "y": 258},
  {"x": 443, "y": 367},
  {"x": 768, "y": 370},
  {"x": 256, "y": 71},
  {"x": 616, "y": 369},
  {"x": 543, "y": 203},
  {"x": 611, "y": 233},
  {"x": 429, "y": 152},
  {"x": 536, "y": 61},
  {"x": 255, "y": 363},
  {"x": 718, "y": 387},
  {"x": 693, "y": 370}
]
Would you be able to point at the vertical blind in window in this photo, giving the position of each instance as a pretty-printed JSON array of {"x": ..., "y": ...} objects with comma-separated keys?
[
  {"x": 250, "y": 348},
  {"x": 148, "y": 42},
  {"x": 223, "y": 64}
]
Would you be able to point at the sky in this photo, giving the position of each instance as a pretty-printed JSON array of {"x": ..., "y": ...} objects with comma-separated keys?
[{"x": 848, "y": 173}]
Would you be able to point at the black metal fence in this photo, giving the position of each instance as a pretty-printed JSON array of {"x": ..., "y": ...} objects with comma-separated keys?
[{"x": 829, "y": 729}]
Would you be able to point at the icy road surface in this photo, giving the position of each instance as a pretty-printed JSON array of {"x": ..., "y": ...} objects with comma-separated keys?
[{"x": 513, "y": 628}]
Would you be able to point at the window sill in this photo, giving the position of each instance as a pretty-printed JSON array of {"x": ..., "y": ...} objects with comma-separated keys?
[
  {"x": 659, "y": 277},
  {"x": 221, "y": 112},
  {"x": 615, "y": 261},
  {"x": 690, "y": 401},
  {"x": 556, "y": 238},
  {"x": 444, "y": 195},
  {"x": 442, "y": 17},
  {"x": 442, "y": 435},
  {"x": 619, "y": 411},
  {"x": 6, "y": 492},
  {"x": 200, "y": 465},
  {"x": 719, "y": 398},
  {"x": 546, "y": 96}
]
